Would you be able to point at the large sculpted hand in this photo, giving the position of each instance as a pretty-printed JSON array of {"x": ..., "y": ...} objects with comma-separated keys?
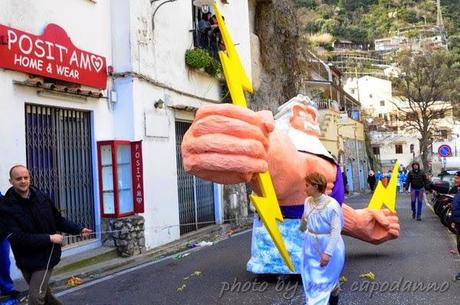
[
  {"x": 373, "y": 226},
  {"x": 227, "y": 144}
]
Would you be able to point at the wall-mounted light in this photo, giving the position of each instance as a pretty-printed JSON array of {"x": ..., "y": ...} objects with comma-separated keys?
[
  {"x": 200, "y": 3},
  {"x": 160, "y": 104}
]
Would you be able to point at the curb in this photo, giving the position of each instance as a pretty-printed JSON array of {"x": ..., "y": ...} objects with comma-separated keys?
[
  {"x": 215, "y": 233},
  {"x": 94, "y": 272}
]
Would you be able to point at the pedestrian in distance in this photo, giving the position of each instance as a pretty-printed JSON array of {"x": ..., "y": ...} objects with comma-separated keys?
[
  {"x": 6, "y": 283},
  {"x": 456, "y": 215},
  {"x": 32, "y": 224},
  {"x": 401, "y": 181},
  {"x": 416, "y": 180},
  {"x": 323, "y": 247},
  {"x": 379, "y": 176},
  {"x": 385, "y": 180},
  {"x": 345, "y": 183},
  {"x": 371, "y": 180}
]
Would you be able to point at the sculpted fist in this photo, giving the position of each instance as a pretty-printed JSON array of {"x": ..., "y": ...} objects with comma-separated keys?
[
  {"x": 373, "y": 226},
  {"x": 227, "y": 144}
]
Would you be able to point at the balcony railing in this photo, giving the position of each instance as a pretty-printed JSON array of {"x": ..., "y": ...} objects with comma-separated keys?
[{"x": 328, "y": 104}]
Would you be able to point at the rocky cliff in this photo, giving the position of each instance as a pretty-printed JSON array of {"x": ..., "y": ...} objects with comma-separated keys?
[{"x": 282, "y": 64}]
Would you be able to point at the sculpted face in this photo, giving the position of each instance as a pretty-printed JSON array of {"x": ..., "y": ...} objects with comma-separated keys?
[{"x": 304, "y": 118}]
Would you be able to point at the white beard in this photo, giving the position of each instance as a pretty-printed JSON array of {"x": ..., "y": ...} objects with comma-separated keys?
[{"x": 302, "y": 141}]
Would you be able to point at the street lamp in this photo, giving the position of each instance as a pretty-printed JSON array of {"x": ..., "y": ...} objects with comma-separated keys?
[
  {"x": 155, "y": 11},
  {"x": 201, "y": 3}
]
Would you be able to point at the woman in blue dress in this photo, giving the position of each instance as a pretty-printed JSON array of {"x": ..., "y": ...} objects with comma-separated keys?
[{"x": 323, "y": 247}]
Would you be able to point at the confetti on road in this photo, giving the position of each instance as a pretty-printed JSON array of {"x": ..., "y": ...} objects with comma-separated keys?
[
  {"x": 185, "y": 279},
  {"x": 368, "y": 276},
  {"x": 181, "y": 288},
  {"x": 73, "y": 281},
  {"x": 182, "y": 255}
]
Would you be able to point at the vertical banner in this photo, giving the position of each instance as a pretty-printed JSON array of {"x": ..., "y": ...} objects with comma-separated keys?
[{"x": 138, "y": 176}]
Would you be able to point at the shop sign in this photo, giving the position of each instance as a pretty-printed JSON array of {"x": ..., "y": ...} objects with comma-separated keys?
[{"x": 52, "y": 55}]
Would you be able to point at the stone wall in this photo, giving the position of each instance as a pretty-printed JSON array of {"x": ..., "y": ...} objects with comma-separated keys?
[
  {"x": 236, "y": 208},
  {"x": 126, "y": 234}
]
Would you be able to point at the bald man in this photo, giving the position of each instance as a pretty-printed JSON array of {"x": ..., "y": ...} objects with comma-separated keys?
[{"x": 32, "y": 225}]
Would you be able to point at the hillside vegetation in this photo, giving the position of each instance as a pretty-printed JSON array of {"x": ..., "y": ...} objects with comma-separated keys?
[{"x": 363, "y": 21}]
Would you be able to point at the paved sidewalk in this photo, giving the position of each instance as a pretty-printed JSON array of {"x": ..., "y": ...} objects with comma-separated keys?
[{"x": 104, "y": 261}]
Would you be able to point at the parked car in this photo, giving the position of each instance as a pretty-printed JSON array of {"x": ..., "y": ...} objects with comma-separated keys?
[{"x": 443, "y": 183}]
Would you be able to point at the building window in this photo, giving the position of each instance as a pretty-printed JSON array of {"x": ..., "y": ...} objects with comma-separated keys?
[
  {"x": 382, "y": 103},
  {"x": 444, "y": 133},
  {"x": 376, "y": 150},
  {"x": 120, "y": 178},
  {"x": 200, "y": 37},
  {"x": 399, "y": 148},
  {"x": 206, "y": 33},
  {"x": 411, "y": 116}
]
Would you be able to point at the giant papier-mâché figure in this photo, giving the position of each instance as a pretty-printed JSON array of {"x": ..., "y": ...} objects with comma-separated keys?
[{"x": 229, "y": 144}]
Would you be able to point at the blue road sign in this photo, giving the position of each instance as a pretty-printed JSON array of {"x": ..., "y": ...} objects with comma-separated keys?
[{"x": 445, "y": 150}]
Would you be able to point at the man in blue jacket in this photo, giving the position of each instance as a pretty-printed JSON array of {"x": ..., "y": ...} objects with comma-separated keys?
[
  {"x": 6, "y": 283},
  {"x": 416, "y": 180},
  {"x": 32, "y": 225},
  {"x": 456, "y": 214}
]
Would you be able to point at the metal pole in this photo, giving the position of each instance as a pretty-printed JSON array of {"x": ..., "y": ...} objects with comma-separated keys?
[
  {"x": 195, "y": 203},
  {"x": 357, "y": 155},
  {"x": 456, "y": 139}
]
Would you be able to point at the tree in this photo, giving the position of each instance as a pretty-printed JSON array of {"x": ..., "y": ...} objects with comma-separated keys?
[{"x": 426, "y": 85}]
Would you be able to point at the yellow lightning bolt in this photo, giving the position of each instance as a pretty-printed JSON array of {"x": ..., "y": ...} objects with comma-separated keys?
[
  {"x": 267, "y": 205},
  {"x": 386, "y": 196}
]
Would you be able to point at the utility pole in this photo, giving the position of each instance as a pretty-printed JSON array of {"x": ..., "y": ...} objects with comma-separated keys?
[
  {"x": 357, "y": 157},
  {"x": 439, "y": 21}
]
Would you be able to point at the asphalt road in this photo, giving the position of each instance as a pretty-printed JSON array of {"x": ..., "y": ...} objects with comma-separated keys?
[{"x": 415, "y": 269}]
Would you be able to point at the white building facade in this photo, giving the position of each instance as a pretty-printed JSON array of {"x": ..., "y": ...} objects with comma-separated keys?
[
  {"x": 380, "y": 111},
  {"x": 31, "y": 117},
  {"x": 153, "y": 70},
  {"x": 374, "y": 94},
  {"x": 390, "y": 147},
  {"x": 390, "y": 139}
]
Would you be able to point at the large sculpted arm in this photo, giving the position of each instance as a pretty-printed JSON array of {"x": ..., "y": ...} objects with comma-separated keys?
[
  {"x": 372, "y": 226},
  {"x": 229, "y": 144}
]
